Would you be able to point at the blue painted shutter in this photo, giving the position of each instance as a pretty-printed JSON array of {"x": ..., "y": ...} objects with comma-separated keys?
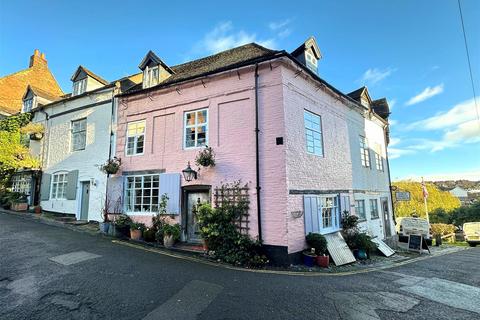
[
  {"x": 307, "y": 208},
  {"x": 170, "y": 184},
  {"x": 71, "y": 189},
  {"x": 45, "y": 187}
]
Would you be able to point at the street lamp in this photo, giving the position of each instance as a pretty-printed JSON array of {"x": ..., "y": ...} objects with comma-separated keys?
[{"x": 188, "y": 173}]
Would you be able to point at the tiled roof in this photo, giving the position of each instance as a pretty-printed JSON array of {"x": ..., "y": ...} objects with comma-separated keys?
[
  {"x": 44, "y": 94},
  {"x": 13, "y": 86},
  {"x": 357, "y": 93},
  {"x": 380, "y": 107},
  {"x": 90, "y": 74},
  {"x": 214, "y": 63}
]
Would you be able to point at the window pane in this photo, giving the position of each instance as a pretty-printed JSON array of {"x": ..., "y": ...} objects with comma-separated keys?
[
  {"x": 202, "y": 117},
  {"x": 139, "y": 148},
  {"x": 191, "y": 119},
  {"x": 190, "y": 137}
]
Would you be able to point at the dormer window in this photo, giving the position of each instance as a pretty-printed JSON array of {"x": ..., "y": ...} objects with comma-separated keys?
[
  {"x": 151, "y": 76},
  {"x": 79, "y": 86},
  {"x": 27, "y": 105},
  {"x": 308, "y": 54},
  {"x": 154, "y": 70}
]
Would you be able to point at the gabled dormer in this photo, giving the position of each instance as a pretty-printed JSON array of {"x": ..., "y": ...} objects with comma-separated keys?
[
  {"x": 362, "y": 96},
  {"x": 154, "y": 70},
  {"x": 85, "y": 80},
  {"x": 35, "y": 97},
  {"x": 309, "y": 54}
]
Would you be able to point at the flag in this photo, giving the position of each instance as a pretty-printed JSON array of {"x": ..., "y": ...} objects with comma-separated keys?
[{"x": 424, "y": 190}]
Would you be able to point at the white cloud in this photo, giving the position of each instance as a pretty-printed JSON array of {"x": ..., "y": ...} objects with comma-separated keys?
[
  {"x": 394, "y": 141},
  {"x": 473, "y": 175},
  {"x": 375, "y": 75},
  {"x": 467, "y": 132},
  {"x": 427, "y": 93},
  {"x": 460, "y": 113},
  {"x": 276, "y": 25},
  {"x": 392, "y": 103},
  {"x": 224, "y": 36},
  {"x": 395, "y": 153}
]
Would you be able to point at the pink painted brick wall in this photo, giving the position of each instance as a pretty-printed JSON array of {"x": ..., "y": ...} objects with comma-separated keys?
[{"x": 231, "y": 105}]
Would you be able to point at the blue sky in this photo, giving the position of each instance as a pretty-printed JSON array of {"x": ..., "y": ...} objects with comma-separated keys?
[{"x": 411, "y": 52}]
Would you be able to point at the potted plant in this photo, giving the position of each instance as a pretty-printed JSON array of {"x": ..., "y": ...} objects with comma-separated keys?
[
  {"x": 37, "y": 209},
  {"x": 111, "y": 166},
  {"x": 122, "y": 225},
  {"x": 309, "y": 257},
  {"x": 136, "y": 230},
  {"x": 319, "y": 243},
  {"x": 206, "y": 157},
  {"x": 171, "y": 233},
  {"x": 361, "y": 245},
  {"x": 18, "y": 201},
  {"x": 149, "y": 234}
]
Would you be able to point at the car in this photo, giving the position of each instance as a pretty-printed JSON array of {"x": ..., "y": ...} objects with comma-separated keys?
[
  {"x": 406, "y": 226},
  {"x": 471, "y": 230}
]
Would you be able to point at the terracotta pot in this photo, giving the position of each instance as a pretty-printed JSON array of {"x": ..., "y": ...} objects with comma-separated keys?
[
  {"x": 205, "y": 245},
  {"x": 168, "y": 241},
  {"x": 38, "y": 209},
  {"x": 20, "y": 206},
  {"x": 323, "y": 261},
  {"x": 135, "y": 234}
]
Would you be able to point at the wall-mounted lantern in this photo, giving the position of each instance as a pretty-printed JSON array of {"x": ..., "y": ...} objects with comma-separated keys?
[{"x": 188, "y": 173}]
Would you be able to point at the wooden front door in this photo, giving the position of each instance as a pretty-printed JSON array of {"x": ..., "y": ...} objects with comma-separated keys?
[
  {"x": 85, "y": 200},
  {"x": 386, "y": 218},
  {"x": 194, "y": 199}
]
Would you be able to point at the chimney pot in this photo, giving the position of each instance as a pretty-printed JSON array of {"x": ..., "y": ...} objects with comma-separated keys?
[
  {"x": 38, "y": 60},
  {"x": 36, "y": 52},
  {"x": 42, "y": 56}
]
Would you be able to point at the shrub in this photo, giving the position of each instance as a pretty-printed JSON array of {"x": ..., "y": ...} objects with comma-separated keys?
[
  {"x": 349, "y": 221},
  {"x": 172, "y": 230},
  {"x": 149, "y": 235},
  {"x": 220, "y": 233},
  {"x": 123, "y": 221},
  {"x": 318, "y": 242},
  {"x": 466, "y": 214},
  {"x": 361, "y": 240},
  {"x": 137, "y": 226},
  {"x": 442, "y": 229}
]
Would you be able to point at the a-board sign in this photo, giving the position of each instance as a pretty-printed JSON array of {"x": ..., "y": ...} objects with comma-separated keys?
[
  {"x": 415, "y": 242},
  {"x": 402, "y": 196}
]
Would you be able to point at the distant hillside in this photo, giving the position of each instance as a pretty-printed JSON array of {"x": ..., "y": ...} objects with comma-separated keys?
[{"x": 450, "y": 184}]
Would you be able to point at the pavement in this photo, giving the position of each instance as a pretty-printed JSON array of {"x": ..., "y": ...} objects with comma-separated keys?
[{"x": 50, "y": 272}]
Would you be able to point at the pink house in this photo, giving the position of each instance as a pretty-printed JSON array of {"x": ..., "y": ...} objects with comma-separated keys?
[{"x": 272, "y": 123}]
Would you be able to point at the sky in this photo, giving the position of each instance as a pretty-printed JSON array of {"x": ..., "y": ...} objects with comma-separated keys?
[{"x": 411, "y": 52}]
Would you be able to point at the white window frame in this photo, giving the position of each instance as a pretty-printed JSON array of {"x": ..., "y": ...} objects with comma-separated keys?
[
  {"x": 130, "y": 208},
  {"x": 313, "y": 130},
  {"x": 364, "y": 152},
  {"x": 21, "y": 183},
  {"x": 79, "y": 87},
  {"x": 363, "y": 216},
  {"x": 59, "y": 179},
  {"x": 379, "y": 162},
  {"x": 374, "y": 209},
  {"x": 149, "y": 80},
  {"x": 195, "y": 126},
  {"x": 135, "y": 139},
  {"x": 28, "y": 104},
  {"x": 73, "y": 133}
]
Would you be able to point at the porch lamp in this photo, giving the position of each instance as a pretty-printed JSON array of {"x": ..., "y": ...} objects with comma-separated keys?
[{"x": 188, "y": 173}]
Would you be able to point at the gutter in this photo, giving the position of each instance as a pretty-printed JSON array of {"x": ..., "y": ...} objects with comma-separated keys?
[{"x": 257, "y": 158}]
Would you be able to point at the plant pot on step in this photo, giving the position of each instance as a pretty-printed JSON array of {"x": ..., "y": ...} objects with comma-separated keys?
[
  {"x": 22, "y": 206},
  {"x": 309, "y": 259},
  {"x": 38, "y": 210},
  {"x": 135, "y": 234},
  {"x": 168, "y": 241},
  {"x": 360, "y": 254},
  {"x": 323, "y": 261},
  {"x": 205, "y": 245},
  {"x": 104, "y": 227}
]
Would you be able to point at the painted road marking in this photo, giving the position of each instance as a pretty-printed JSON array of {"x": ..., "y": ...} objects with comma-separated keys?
[
  {"x": 452, "y": 294},
  {"x": 362, "y": 305},
  {"x": 74, "y": 257},
  {"x": 188, "y": 303}
]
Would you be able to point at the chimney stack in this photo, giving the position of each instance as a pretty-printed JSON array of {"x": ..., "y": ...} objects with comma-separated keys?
[{"x": 38, "y": 60}]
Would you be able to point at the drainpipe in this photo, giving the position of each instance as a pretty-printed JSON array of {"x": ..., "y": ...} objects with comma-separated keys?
[
  {"x": 42, "y": 155},
  {"x": 388, "y": 171},
  {"x": 257, "y": 158}
]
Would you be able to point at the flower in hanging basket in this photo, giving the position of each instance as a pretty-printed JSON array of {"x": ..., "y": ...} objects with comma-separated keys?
[
  {"x": 206, "y": 157},
  {"x": 111, "y": 166}
]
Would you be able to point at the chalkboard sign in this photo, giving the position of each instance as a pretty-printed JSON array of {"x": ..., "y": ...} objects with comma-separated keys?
[{"x": 415, "y": 242}]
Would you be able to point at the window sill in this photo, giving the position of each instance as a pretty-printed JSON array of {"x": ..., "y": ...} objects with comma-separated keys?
[{"x": 134, "y": 155}]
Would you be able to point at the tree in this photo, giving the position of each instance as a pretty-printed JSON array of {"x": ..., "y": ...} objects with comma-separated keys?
[
  {"x": 440, "y": 203},
  {"x": 14, "y": 155}
]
